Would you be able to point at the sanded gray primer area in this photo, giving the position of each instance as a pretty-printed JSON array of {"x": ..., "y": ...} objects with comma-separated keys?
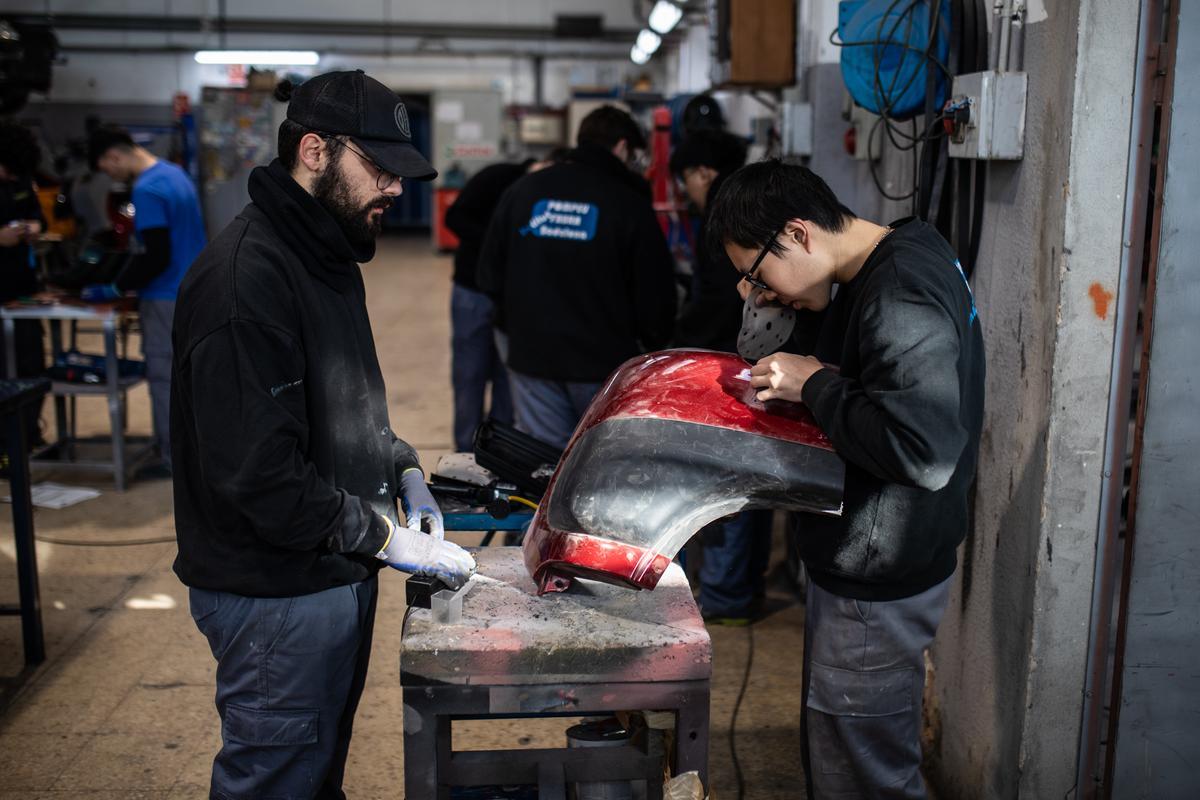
[{"x": 593, "y": 633}]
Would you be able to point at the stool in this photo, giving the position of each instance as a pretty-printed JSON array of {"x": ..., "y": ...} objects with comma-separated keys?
[{"x": 593, "y": 650}]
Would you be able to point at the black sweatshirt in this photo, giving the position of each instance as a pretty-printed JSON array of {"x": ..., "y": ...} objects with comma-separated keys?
[
  {"x": 905, "y": 411},
  {"x": 283, "y": 454},
  {"x": 18, "y": 202},
  {"x": 712, "y": 315},
  {"x": 579, "y": 269},
  {"x": 148, "y": 264},
  {"x": 471, "y": 211}
]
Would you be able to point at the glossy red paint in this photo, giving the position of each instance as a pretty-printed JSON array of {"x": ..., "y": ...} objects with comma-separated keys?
[
  {"x": 702, "y": 387},
  {"x": 695, "y": 386}
]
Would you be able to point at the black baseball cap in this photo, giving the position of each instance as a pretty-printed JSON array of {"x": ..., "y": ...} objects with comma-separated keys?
[{"x": 356, "y": 105}]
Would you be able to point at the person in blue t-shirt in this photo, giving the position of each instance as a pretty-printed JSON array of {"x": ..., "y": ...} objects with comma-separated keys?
[{"x": 170, "y": 230}]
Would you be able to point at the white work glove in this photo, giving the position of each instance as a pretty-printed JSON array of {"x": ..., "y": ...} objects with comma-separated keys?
[
  {"x": 419, "y": 503},
  {"x": 421, "y": 554}
]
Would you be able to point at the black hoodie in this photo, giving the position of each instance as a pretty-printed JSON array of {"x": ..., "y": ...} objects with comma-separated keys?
[
  {"x": 579, "y": 269},
  {"x": 283, "y": 454}
]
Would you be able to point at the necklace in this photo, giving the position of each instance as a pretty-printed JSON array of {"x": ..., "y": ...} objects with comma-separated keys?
[{"x": 886, "y": 230}]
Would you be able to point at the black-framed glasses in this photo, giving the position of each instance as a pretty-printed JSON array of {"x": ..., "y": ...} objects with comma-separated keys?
[
  {"x": 383, "y": 179},
  {"x": 749, "y": 276}
]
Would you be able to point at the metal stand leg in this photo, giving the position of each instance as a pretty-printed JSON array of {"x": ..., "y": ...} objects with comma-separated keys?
[
  {"x": 552, "y": 782},
  {"x": 691, "y": 734},
  {"x": 115, "y": 410},
  {"x": 10, "y": 348},
  {"x": 423, "y": 739},
  {"x": 22, "y": 511}
]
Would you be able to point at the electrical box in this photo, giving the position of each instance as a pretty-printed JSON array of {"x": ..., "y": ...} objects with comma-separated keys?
[
  {"x": 985, "y": 116},
  {"x": 797, "y": 129}
]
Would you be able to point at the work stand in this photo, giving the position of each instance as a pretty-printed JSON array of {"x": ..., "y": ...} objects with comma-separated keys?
[{"x": 593, "y": 651}]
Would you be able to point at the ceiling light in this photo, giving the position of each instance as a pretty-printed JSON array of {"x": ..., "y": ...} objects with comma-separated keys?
[
  {"x": 665, "y": 16},
  {"x": 259, "y": 58},
  {"x": 638, "y": 56},
  {"x": 648, "y": 41}
]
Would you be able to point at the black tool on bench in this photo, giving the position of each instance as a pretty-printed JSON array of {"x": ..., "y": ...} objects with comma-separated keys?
[{"x": 516, "y": 457}]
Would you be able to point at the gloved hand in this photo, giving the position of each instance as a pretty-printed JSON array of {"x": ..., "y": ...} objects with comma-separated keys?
[
  {"x": 419, "y": 503},
  {"x": 101, "y": 293},
  {"x": 421, "y": 554}
]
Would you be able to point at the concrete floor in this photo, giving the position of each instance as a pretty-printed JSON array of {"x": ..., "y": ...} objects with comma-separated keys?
[{"x": 123, "y": 705}]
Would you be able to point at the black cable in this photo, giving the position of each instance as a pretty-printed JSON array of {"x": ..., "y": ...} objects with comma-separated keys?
[
  {"x": 737, "y": 706},
  {"x": 104, "y": 542},
  {"x": 874, "y": 174}
]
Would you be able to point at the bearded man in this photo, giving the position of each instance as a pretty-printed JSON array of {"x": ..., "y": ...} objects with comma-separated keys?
[{"x": 287, "y": 471}]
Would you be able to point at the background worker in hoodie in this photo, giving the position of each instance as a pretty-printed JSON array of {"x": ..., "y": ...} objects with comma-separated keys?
[
  {"x": 286, "y": 467},
  {"x": 580, "y": 273},
  {"x": 904, "y": 408},
  {"x": 736, "y": 550},
  {"x": 475, "y": 363}
]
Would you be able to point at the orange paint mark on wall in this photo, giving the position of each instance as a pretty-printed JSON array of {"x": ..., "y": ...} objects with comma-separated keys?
[{"x": 1101, "y": 297}]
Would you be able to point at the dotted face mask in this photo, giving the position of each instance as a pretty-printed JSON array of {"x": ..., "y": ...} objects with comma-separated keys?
[{"x": 765, "y": 329}]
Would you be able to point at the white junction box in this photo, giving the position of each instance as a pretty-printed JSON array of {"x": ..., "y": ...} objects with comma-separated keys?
[
  {"x": 797, "y": 129},
  {"x": 987, "y": 116}
]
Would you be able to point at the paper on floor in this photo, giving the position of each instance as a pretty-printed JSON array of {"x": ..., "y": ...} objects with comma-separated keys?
[{"x": 57, "y": 495}]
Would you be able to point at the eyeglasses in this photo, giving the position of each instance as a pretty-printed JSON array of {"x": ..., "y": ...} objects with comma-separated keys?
[
  {"x": 383, "y": 178},
  {"x": 749, "y": 276}
]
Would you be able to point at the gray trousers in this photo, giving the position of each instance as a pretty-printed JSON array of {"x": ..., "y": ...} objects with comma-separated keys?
[
  {"x": 157, "y": 318},
  {"x": 864, "y": 677},
  {"x": 290, "y": 672}
]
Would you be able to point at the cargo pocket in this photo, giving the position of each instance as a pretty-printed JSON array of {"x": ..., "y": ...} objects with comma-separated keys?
[
  {"x": 271, "y": 727},
  {"x": 267, "y": 753},
  {"x": 855, "y": 708}
]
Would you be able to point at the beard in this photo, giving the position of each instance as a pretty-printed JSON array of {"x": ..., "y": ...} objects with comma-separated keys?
[{"x": 360, "y": 226}]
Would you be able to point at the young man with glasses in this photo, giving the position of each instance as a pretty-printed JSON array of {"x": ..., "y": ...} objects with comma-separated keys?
[
  {"x": 896, "y": 380},
  {"x": 287, "y": 472}
]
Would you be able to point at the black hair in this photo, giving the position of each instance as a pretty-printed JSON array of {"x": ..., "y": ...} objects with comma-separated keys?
[
  {"x": 19, "y": 151},
  {"x": 718, "y": 150},
  {"x": 103, "y": 138},
  {"x": 608, "y": 125},
  {"x": 290, "y": 132},
  {"x": 755, "y": 202}
]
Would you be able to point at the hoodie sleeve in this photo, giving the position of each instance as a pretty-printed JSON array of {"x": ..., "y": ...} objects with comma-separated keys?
[
  {"x": 404, "y": 455},
  {"x": 653, "y": 282},
  {"x": 489, "y": 273},
  {"x": 901, "y": 420},
  {"x": 247, "y": 387}
]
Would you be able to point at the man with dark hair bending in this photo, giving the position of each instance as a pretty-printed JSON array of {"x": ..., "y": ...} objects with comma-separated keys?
[{"x": 896, "y": 381}]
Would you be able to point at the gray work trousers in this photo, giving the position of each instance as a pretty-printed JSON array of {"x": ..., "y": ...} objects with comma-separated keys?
[
  {"x": 290, "y": 672},
  {"x": 157, "y": 318},
  {"x": 864, "y": 678}
]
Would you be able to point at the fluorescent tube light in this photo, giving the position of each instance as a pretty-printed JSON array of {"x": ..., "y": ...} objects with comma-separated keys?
[
  {"x": 665, "y": 16},
  {"x": 638, "y": 56},
  {"x": 648, "y": 41},
  {"x": 281, "y": 58}
]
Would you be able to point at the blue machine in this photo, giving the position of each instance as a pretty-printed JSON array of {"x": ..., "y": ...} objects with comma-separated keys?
[{"x": 886, "y": 53}]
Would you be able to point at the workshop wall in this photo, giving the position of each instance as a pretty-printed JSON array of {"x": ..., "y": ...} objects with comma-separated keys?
[
  {"x": 1009, "y": 661},
  {"x": 1010, "y": 655},
  {"x": 156, "y": 77}
]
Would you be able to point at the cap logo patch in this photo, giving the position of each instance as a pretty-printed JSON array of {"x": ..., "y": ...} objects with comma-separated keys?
[{"x": 401, "y": 115}]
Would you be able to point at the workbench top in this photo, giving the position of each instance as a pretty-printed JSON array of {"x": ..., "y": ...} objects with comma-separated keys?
[{"x": 593, "y": 633}]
